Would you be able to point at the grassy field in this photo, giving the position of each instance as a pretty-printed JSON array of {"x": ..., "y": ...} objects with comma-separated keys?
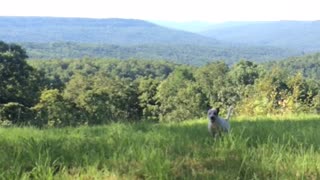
[{"x": 257, "y": 148}]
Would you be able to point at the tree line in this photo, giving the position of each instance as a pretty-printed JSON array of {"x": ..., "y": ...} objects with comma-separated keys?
[
  {"x": 192, "y": 54},
  {"x": 98, "y": 91}
]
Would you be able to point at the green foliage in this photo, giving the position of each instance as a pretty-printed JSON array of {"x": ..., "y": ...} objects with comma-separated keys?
[
  {"x": 15, "y": 113},
  {"x": 214, "y": 80},
  {"x": 244, "y": 73},
  {"x": 277, "y": 93},
  {"x": 59, "y": 72},
  {"x": 179, "y": 97},
  {"x": 158, "y": 94},
  {"x": 104, "y": 99},
  {"x": 316, "y": 102},
  {"x": 308, "y": 65},
  {"x": 54, "y": 110},
  {"x": 19, "y": 82},
  {"x": 270, "y": 88},
  {"x": 147, "y": 91},
  {"x": 191, "y": 54},
  {"x": 101, "y": 91}
]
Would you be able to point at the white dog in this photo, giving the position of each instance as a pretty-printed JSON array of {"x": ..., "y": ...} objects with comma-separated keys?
[{"x": 216, "y": 124}]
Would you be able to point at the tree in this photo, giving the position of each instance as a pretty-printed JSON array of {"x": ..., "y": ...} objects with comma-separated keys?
[
  {"x": 104, "y": 98},
  {"x": 180, "y": 98},
  {"x": 147, "y": 91},
  {"x": 213, "y": 80},
  {"x": 54, "y": 110},
  {"x": 15, "y": 113},
  {"x": 19, "y": 82},
  {"x": 244, "y": 73},
  {"x": 267, "y": 95}
]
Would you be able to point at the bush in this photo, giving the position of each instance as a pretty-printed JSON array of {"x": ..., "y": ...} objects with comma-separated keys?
[{"x": 15, "y": 113}]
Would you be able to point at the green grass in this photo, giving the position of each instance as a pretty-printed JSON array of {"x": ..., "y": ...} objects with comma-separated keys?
[{"x": 257, "y": 148}]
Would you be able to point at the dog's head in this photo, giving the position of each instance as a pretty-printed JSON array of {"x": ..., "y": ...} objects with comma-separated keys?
[{"x": 213, "y": 114}]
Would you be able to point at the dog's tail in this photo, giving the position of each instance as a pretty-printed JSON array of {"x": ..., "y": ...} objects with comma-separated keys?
[{"x": 229, "y": 112}]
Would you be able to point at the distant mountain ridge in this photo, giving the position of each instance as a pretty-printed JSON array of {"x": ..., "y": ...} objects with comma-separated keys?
[
  {"x": 61, "y": 38},
  {"x": 86, "y": 30},
  {"x": 191, "y": 26},
  {"x": 299, "y": 35}
]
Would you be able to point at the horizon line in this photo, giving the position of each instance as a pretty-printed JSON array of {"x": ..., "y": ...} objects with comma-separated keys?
[{"x": 154, "y": 20}]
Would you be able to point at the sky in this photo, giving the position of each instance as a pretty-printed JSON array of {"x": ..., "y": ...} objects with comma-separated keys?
[{"x": 168, "y": 10}]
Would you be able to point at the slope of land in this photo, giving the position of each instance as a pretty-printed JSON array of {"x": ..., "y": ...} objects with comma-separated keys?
[
  {"x": 83, "y": 30},
  {"x": 300, "y": 35},
  {"x": 51, "y": 38},
  {"x": 182, "y": 54},
  {"x": 308, "y": 65},
  {"x": 260, "y": 148}
]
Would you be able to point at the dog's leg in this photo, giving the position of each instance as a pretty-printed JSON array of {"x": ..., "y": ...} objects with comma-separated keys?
[{"x": 213, "y": 129}]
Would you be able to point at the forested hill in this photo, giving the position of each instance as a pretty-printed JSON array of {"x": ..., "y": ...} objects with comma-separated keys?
[
  {"x": 72, "y": 38},
  {"x": 85, "y": 30},
  {"x": 308, "y": 65},
  {"x": 182, "y": 54},
  {"x": 300, "y": 35}
]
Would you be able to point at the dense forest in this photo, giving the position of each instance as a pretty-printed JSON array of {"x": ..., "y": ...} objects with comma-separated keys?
[
  {"x": 308, "y": 65},
  {"x": 182, "y": 54},
  {"x": 98, "y": 91}
]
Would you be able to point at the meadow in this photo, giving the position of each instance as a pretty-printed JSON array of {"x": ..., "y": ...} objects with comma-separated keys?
[{"x": 257, "y": 148}]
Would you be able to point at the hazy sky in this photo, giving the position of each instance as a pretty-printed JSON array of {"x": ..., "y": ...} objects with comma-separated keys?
[{"x": 167, "y": 10}]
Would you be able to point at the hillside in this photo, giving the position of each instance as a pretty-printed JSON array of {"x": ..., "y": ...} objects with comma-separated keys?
[
  {"x": 200, "y": 27},
  {"x": 192, "y": 26},
  {"x": 182, "y": 54},
  {"x": 308, "y": 65},
  {"x": 83, "y": 30},
  {"x": 256, "y": 148},
  {"x": 299, "y": 35},
  {"x": 61, "y": 38}
]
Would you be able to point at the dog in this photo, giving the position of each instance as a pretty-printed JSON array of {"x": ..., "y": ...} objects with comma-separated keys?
[{"x": 216, "y": 124}]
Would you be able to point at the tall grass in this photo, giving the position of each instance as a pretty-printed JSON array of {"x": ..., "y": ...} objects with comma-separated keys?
[{"x": 256, "y": 148}]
